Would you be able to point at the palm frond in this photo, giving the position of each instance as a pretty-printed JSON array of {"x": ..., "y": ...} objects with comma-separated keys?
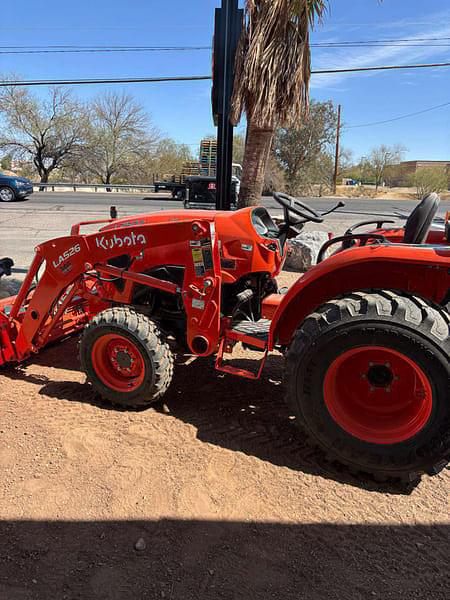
[{"x": 273, "y": 63}]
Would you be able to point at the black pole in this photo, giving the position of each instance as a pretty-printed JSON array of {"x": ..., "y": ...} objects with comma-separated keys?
[{"x": 228, "y": 27}]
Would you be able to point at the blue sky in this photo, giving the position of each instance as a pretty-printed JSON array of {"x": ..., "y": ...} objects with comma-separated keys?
[{"x": 183, "y": 110}]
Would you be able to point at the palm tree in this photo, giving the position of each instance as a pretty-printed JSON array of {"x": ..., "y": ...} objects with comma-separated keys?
[{"x": 273, "y": 69}]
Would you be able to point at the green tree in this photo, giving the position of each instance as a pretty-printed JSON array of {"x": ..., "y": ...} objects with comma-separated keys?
[
  {"x": 429, "y": 180},
  {"x": 274, "y": 178},
  {"x": 169, "y": 157},
  {"x": 6, "y": 162},
  {"x": 300, "y": 151},
  {"x": 238, "y": 148}
]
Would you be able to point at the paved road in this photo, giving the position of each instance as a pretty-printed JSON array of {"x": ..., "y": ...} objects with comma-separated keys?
[
  {"x": 48, "y": 215},
  {"x": 83, "y": 202}
]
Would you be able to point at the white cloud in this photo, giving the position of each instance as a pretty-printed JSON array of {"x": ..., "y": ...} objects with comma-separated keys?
[{"x": 342, "y": 58}]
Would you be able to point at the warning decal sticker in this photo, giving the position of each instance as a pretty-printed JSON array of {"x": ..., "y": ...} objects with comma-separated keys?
[
  {"x": 202, "y": 256},
  {"x": 199, "y": 265}
]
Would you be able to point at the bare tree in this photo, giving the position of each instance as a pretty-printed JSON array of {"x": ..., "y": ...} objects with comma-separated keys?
[
  {"x": 380, "y": 159},
  {"x": 48, "y": 132},
  {"x": 120, "y": 135}
]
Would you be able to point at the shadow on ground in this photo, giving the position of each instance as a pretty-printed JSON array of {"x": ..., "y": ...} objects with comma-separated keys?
[
  {"x": 9, "y": 286},
  {"x": 207, "y": 560},
  {"x": 230, "y": 412}
]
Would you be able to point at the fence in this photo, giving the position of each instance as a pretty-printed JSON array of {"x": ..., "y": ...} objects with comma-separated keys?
[{"x": 92, "y": 186}]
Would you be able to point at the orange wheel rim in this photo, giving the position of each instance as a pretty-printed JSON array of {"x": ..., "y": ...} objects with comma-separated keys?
[
  {"x": 118, "y": 363},
  {"x": 378, "y": 395}
]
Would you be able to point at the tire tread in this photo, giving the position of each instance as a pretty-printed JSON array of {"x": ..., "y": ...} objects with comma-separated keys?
[
  {"x": 430, "y": 321},
  {"x": 153, "y": 342}
]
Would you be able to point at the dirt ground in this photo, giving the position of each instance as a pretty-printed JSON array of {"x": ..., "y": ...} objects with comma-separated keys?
[{"x": 213, "y": 495}]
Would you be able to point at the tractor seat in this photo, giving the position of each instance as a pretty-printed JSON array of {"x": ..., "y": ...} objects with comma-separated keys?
[{"x": 421, "y": 219}]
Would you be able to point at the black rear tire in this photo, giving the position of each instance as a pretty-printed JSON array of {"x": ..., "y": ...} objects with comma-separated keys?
[
  {"x": 395, "y": 323},
  {"x": 151, "y": 353}
]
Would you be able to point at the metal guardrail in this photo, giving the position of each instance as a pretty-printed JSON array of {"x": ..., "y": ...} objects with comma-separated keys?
[{"x": 92, "y": 186}]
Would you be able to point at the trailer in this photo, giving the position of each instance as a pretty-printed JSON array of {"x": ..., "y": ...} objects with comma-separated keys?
[
  {"x": 203, "y": 174},
  {"x": 177, "y": 189}
]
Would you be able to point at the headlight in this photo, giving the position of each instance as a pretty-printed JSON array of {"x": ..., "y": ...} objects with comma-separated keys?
[{"x": 21, "y": 183}]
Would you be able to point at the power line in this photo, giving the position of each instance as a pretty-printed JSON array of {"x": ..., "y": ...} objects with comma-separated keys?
[
  {"x": 38, "y": 82},
  {"x": 201, "y": 48},
  {"x": 192, "y": 49},
  {"x": 401, "y": 45},
  {"x": 50, "y": 49},
  {"x": 414, "y": 114},
  {"x": 95, "y": 46},
  {"x": 381, "y": 68},
  {"x": 386, "y": 41},
  {"x": 106, "y": 50},
  {"x": 317, "y": 44}
]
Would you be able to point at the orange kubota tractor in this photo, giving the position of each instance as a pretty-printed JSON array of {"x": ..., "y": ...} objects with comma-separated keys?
[{"x": 365, "y": 333}]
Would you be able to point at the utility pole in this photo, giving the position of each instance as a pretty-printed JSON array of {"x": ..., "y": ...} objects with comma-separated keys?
[
  {"x": 338, "y": 151},
  {"x": 228, "y": 28}
]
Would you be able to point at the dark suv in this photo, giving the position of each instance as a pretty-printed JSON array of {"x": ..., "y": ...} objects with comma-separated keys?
[{"x": 14, "y": 188}]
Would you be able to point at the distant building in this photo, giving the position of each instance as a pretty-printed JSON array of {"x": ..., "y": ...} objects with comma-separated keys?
[
  {"x": 400, "y": 173},
  {"x": 412, "y": 166}
]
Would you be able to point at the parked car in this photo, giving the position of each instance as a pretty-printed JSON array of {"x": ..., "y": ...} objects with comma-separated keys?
[{"x": 14, "y": 188}]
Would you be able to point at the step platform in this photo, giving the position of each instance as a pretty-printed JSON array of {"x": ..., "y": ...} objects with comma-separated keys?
[
  {"x": 254, "y": 336},
  {"x": 254, "y": 329}
]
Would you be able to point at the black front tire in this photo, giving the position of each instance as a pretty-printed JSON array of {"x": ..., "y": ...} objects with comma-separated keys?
[
  {"x": 153, "y": 350},
  {"x": 403, "y": 324}
]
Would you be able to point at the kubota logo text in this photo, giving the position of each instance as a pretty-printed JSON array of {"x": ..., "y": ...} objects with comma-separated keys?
[
  {"x": 66, "y": 255},
  {"x": 121, "y": 242}
]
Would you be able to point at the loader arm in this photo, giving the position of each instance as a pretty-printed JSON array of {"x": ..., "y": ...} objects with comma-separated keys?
[{"x": 70, "y": 262}]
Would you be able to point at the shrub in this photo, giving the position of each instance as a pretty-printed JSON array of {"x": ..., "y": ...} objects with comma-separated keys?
[{"x": 429, "y": 180}]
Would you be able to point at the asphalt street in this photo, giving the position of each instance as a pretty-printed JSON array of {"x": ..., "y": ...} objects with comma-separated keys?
[
  {"x": 47, "y": 215},
  {"x": 82, "y": 202}
]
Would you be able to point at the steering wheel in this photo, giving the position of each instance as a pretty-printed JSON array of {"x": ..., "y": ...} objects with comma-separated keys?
[
  {"x": 298, "y": 208},
  {"x": 421, "y": 219}
]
